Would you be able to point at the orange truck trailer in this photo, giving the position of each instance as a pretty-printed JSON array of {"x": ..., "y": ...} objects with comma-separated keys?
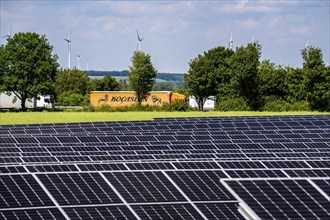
[{"x": 124, "y": 98}]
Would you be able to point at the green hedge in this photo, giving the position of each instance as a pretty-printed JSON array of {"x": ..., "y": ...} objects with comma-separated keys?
[
  {"x": 232, "y": 104},
  {"x": 279, "y": 105}
]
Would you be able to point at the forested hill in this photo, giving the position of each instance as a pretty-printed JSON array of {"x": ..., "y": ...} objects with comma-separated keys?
[{"x": 168, "y": 77}]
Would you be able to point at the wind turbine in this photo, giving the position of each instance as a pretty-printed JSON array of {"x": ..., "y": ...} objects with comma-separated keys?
[
  {"x": 230, "y": 45},
  {"x": 69, "y": 49},
  {"x": 9, "y": 34},
  {"x": 140, "y": 41}
]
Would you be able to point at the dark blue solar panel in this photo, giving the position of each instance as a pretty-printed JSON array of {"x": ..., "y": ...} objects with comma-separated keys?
[
  {"x": 35, "y": 214},
  {"x": 19, "y": 191}
]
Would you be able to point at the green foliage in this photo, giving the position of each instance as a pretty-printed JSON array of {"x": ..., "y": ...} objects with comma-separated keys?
[
  {"x": 271, "y": 79},
  {"x": 142, "y": 75},
  {"x": 72, "y": 81},
  {"x": 106, "y": 83},
  {"x": 232, "y": 104},
  {"x": 27, "y": 65},
  {"x": 316, "y": 79},
  {"x": 70, "y": 98},
  {"x": 244, "y": 65},
  {"x": 72, "y": 88},
  {"x": 272, "y": 103},
  {"x": 294, "y": 83},
  {"x": 200, "y": 80},
  {"x": 219, "y": 57},
  {"x": 2, "y": 66},
  {"x": 123, "y": 85},
  {"x": 179, "y": 105}
]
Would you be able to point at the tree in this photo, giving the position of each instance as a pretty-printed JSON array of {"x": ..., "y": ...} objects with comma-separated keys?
[
  {"x": 142, "y": 75},
  {"x": 2, "y": 65},
  {"x": 72, "y": 80},
  {"x": 106, "y": 83},
  {"x": 200, "y": 80},
  {"x": 123, "y": 86},
  {"x": 220, "y": 68},
  {"x": 244, "y": 73},
  {"x": 316, "y": 79},
  {"x": 294, "y": 83},
  {"x": 72, "y": 83},
  {"x": 29, "y": 68},
  {"x": 271, "y": 80}
]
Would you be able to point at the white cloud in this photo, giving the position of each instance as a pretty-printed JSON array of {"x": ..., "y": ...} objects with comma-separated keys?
[
  {"x": 242, "y": 6},
  {"x": 301, "y": 30},
  {"x": 250, "y": 24},
  {"x": 105, "y": 30}
]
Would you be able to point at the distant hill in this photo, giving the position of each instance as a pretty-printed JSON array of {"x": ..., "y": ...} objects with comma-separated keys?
[{"x": 170, "y": 78}]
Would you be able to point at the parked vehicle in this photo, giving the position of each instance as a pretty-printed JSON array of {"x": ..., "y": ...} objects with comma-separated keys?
[
  {"x": 208, "y": 105},
  {"x": 13, "y": 102}
]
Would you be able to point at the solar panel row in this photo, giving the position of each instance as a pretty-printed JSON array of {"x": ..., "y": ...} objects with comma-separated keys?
[{"x": 175, "y": 168}]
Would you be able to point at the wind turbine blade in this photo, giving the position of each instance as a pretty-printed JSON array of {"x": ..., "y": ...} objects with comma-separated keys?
[
  {"x": 69, "y": 38},
  {"x": 138, "y": 36}
]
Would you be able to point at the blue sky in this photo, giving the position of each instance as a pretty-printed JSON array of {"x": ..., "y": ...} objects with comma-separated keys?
[{"x": 174, "y": 32}]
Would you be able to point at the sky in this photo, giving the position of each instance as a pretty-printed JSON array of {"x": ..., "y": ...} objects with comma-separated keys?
[{"x": 175, "y": 32}]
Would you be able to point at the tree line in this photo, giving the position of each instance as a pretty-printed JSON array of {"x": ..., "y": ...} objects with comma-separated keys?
[
  {"x": 170, "y": 78},
  {"x": 28, "y": 68},
  {"x": 239, "y": 81}
]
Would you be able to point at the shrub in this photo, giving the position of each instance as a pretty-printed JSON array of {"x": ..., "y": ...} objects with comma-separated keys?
[
  {"x": 280, "y": 105},
  {"x": 300, "y": 106},
  {"x": 72, "y": 99},
  {"x": 232, "y": 104},
  {"x": 179, "y": 105}
]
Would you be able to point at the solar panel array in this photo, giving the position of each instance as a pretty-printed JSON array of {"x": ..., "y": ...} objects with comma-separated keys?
[{"x": 275, "y": 167}]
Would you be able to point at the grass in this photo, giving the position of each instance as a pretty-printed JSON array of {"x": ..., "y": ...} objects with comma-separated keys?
[{"x": 58, "y": 117}]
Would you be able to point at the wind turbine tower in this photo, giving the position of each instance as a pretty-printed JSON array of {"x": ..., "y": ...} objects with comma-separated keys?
[
  {"x": 69, "y": 49},
  {"x": 140, "y": 41},
  {"x": 230, "y": 45}
]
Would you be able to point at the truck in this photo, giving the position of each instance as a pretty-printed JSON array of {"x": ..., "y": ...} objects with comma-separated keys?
[
  {"x": 11, "y": 101},
  {"x": 126, "y": 98},
  {"x": 209, "y": 104}
]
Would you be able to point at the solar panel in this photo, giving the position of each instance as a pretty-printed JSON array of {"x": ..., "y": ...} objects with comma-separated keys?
[
  {"x": 99, "y": 212},
  {"x": 324, "y": 185},
  {"x": 142, "y": 187},
  {"x": 167, "y": 211},
  {"x": 282, "y": 199},
  {"x": 37, "y": 213},
  {"x": 22, "y": 191},
  {"x": 201, "y": 185},
  {"x": 181, "y": 168},
  {"x": 79, "y": 188},
  {"x": 12, "y": 169},
  {"x": 220, "y": 210}
]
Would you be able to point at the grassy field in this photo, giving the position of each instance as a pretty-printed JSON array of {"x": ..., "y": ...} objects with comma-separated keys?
[{"x": 57, "y": 117}]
